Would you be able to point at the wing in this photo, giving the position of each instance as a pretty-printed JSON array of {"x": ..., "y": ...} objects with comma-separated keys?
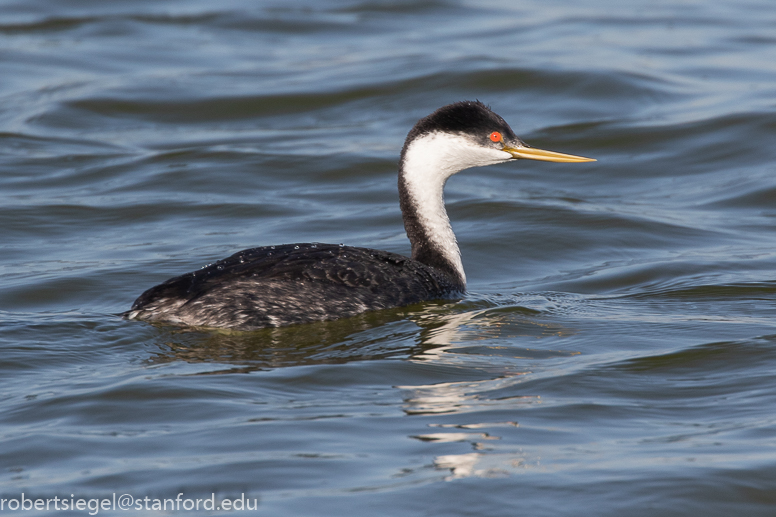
[{"x": 292, "y": 283}]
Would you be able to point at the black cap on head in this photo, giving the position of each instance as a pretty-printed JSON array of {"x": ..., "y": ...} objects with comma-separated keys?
[{"x": 470, "y": 117}]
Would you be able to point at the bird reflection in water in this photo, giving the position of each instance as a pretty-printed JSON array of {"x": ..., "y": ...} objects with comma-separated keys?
[
  {"x": 470, "y": 335},
  {"x": 432, "y": 331}
]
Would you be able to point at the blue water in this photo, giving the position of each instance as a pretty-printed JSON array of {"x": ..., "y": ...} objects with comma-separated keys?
[{"x": 616, "y": 350}]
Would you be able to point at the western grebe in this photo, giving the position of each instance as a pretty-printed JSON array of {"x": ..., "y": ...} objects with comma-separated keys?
[{"x": 273, "y": 286}]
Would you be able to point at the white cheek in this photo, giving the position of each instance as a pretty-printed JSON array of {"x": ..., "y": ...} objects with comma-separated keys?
[
  {"x": 471, "y": 155},
  {"x": 440, "y": 155}
]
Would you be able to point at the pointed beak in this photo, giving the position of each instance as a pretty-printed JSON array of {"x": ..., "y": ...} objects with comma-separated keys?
[{"x": 529, "y": 153}]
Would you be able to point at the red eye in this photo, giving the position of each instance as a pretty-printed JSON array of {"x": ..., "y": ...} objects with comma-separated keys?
[{"x": 496, "y": 136}]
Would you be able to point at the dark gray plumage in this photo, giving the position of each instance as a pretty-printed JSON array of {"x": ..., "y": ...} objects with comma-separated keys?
[{"x": 273, "y": 286}]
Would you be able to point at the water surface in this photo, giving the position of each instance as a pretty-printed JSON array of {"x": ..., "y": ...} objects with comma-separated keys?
[{"x": 614, "y": 355}]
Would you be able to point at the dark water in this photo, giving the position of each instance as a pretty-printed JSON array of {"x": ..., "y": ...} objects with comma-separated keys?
[{"x": 615, "y": 355}]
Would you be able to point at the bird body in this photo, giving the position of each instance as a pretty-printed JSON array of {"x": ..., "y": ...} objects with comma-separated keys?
[{"x": 274, "y": 286}]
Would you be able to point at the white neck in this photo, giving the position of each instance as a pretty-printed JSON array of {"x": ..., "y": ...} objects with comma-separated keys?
[{"x": 428, "y": 161}]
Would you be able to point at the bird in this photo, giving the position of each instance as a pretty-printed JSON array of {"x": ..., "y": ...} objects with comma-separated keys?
[{"x": 276, "y": 286}]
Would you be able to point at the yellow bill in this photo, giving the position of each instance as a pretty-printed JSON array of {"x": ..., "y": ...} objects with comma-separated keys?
[{"x": 529, "y": 153}]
